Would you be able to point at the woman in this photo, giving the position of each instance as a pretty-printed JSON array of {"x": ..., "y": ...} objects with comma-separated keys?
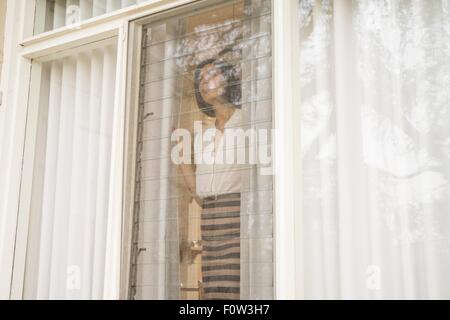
[{"x": 217, "y": 186}]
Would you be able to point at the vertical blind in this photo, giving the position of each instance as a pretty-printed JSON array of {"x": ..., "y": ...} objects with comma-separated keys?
[
  {"x": 71, "y": 183},
  {"x": 53, "y": 14}
]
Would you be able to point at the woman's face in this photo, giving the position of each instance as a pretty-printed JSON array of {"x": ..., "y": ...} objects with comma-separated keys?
[{"x": 212, "y": 83}]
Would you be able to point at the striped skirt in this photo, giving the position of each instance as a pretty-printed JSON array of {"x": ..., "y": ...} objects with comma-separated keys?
[{"x": 220, "y": 227}]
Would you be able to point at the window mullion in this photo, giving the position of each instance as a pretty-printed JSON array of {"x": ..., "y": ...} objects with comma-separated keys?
[{"x": 286, "y": 151}]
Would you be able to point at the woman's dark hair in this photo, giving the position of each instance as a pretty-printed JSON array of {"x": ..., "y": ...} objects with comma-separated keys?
[{"x": 232, "y": 87}]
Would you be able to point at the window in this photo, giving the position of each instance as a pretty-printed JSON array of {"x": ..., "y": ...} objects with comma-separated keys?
[
  {"x": 241, "y": 149},
  {"x": 203, "y": 230},
  {"x": 70, "y": 202},
  {"x": 72, "y": 239}
]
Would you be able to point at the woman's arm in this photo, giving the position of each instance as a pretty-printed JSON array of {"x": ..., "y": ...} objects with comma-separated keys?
[
  {"x": 188, "y": 174},
  {"x": 188, "y": 177}
]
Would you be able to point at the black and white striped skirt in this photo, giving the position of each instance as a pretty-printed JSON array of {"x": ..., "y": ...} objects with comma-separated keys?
[{"x": 220, "y": 228}]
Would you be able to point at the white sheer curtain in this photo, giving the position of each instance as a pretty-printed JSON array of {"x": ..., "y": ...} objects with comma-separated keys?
[
  {"x": 72, "y": 182},
  {"x": 375, "y": 105},
  {"x": 157, "y": 273}
]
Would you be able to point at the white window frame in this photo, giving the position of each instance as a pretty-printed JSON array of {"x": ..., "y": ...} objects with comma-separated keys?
[{"x": 18, "y": 119}]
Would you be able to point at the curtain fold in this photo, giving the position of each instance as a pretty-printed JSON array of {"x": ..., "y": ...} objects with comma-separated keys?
[
  {"x": 66, "y": 251},
  {"x": 76, "y": 219},
  {"x": 375, "y": 104}
]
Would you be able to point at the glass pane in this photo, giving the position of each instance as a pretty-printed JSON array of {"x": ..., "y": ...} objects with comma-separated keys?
[
  {"x": 203, "y": 228},
  {"x": 53, "y": 14},
  {"x": 71, "y": 180}
]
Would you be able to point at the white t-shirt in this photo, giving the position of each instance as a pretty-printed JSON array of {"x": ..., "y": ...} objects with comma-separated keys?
[{"x": 218, "y": 171}]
